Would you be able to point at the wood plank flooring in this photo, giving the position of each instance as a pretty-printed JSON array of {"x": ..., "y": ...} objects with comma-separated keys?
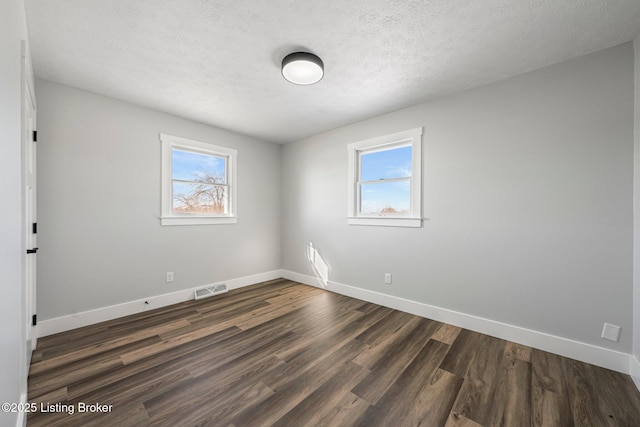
[{"x": 285, "y": 354}]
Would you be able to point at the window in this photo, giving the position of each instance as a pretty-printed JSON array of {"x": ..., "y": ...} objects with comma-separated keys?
[
  {"x": 385, "y": 180},
  {"x": 198, "y": 182}
]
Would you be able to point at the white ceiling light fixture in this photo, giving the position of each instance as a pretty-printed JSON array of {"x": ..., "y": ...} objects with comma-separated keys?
[{"x": 302, "y": 68}]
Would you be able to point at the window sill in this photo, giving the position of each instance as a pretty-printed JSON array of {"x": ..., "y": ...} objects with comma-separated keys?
[
  {"x": 386, "y": 221},
  {"x": 197, "y": 220}
]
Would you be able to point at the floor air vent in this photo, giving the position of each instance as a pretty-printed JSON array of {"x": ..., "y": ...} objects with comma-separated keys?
[{"x": 210, "y": 291}]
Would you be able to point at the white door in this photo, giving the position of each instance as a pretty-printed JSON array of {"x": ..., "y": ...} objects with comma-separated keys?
[{"x": 29, "y": 210}]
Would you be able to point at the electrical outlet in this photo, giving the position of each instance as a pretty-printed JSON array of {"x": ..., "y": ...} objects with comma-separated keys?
[
  {"x": 169, "y": 276},
  {"x": 611, "y": 332},
  {"x": 387, "y": 278}
]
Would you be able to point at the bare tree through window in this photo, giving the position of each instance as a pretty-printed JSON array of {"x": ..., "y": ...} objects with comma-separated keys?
[{"x": 199, "y": 183}]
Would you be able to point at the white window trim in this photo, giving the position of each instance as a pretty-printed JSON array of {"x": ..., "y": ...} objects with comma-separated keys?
[
  {"x": 168, "y": 217},
  {"x": 412, "y": 137}
]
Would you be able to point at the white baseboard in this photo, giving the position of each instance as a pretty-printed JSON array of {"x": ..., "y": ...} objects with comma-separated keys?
[
  {"x": 634, "y": 370},
  {"x": 90, "y": 317},
  {"x": 588, "y": 353},
  {"x": 22, "y": 415}
]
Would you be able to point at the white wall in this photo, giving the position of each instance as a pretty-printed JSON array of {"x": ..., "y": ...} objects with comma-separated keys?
[
  {"x": 99, "y": 233},
  {"x": 12, "y": 317},
  {"x": 635, "y": 361},
  {"x": 528, "y": 193}
]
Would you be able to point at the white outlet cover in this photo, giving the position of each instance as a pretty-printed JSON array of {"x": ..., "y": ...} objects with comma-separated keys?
[{"x": 611, "y": 332}]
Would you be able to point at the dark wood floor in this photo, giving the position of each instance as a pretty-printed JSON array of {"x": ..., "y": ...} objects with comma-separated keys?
[{"x": 285, "y": 354}]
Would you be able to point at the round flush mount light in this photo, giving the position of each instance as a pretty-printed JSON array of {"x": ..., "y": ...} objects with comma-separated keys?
[{"x": 302, "y": 68}]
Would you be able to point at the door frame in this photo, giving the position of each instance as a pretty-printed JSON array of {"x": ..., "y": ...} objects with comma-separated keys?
[{"x": 28, "y": 156}]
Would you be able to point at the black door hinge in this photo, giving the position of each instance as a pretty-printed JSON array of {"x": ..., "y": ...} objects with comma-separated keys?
[
  {"x": 34, "y": 228},
  {"x": 35, "y": 136},
  {"x": 34, "y": 320}
]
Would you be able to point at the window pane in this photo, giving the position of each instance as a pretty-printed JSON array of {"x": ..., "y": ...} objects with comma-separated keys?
[
  {"x": 198, "y": 198},
  {"x": 387, "y": 164},
  {"x": 191, "y": 166},
  {"x": 385, "y": 198}
]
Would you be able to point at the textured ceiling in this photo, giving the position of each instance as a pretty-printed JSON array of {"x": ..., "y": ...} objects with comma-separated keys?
[{"x": 218, "y": 62}]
